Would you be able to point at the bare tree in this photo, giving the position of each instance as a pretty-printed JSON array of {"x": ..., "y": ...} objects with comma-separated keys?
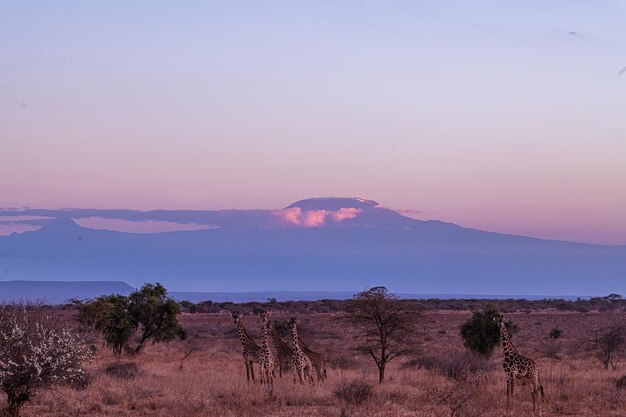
[
  {"x": 610, "y": 341},
  {"x": 386, "y": 325},
  {"x": 188, "y": 348},
  {"x": 36, "y": 352}
]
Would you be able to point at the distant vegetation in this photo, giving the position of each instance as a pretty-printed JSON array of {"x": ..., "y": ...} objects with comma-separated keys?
[{"x": 614, "y": 302}]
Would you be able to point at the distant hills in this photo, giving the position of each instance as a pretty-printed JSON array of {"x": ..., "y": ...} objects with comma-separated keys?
[
  {"x": 313, "y": 245},
  {"x": 56, "y": 292}
]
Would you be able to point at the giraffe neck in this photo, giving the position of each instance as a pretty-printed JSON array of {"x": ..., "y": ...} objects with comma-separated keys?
[
  {"x": 266, "y": 342},
  {"x": 303, "y": 345},
  {"x": 505, "y": 339},
  {"x": 243, "y": 335},
  {"x": 278, "y": 342},
  {"x": 294, "y": 336}
]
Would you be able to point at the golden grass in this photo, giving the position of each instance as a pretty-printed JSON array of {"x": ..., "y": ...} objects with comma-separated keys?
[{"x": 213, "y": 383}]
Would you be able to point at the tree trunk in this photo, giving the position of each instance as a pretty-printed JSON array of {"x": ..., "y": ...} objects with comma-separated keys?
[
  {"x": 144, "y": 337},
  {"x": 381, "y": 371},
  {"x": 14, "y": 407}
]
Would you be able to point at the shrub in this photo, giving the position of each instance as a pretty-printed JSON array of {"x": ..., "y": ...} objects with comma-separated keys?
[
  {"x": 342, "y": 362},
  {"x": 610, "y": 341},
  {"x": 481, "y": 334},
  {"x": 556, "y": 333},
  {"x": 458, "y": 367},
  {"x": 35, "y": 353},
  {"x": 553, "y": 349},
  {"x": 354, "y": 392},
  {"x": 122, "y": 370}
]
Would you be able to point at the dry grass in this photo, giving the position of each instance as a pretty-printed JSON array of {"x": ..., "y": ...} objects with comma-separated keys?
[{"x": 213, "y": 381}]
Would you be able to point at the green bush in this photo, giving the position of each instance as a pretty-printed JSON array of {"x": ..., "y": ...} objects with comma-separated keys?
[
  {"x": 481, "y": 334},
  {"x": 149, "y": 311},
  {"x": 556, "y": 333}
]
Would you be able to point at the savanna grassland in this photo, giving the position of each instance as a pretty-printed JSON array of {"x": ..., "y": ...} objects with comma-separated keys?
[{"x": 435, "y": 381}]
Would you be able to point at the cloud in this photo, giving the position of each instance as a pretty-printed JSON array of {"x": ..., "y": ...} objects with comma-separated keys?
[
  {"x": 146, "y": 226},
  {"x": 295, "y": 216},
  {"x": 345, "y": 213},
  {"x": 290, "y": 215},
  {"x": 408, "y": 212},
  {"x": 7, "y": 229}
]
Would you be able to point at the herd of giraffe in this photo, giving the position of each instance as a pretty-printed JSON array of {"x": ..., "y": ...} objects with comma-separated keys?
[
  {"x": 304, "y": 361},
  {"x": 298, "y": 355}
]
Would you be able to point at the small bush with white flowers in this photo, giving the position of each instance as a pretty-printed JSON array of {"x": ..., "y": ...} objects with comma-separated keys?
[{"x": 37, "y": 352}]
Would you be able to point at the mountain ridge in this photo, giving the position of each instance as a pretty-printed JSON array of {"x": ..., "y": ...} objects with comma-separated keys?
[{"x": 313, "y": 245}]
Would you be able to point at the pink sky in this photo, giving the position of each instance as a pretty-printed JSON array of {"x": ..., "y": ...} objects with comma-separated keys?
[{"x": 495, "y": 115}]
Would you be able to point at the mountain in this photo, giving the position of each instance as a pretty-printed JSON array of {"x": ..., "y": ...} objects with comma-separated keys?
[
  {"x": 55, "y": 292},
  {"x": 319, "y": 244}
]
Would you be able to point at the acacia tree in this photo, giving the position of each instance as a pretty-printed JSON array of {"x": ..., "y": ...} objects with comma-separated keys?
[
  {"x": 35, "y": 353},
  {"x": 610, "y": 341},
  {"x": 386, "y": 325},
  {"x": 148, "y": 310},
  {"x": 154, "y": 313}
]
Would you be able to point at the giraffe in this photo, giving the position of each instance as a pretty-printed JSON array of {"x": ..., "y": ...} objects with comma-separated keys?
[
  {"x": 317, "y": 359},
  {"x": 251, "y": 351},
  {"x": 302, "y": 366},
  {"x": 267, "y": 358},
  {"x": 284, "y": 352},
  {"x": 519, "y": 367}
]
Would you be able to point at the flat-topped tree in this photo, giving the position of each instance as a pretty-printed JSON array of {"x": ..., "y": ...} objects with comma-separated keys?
[{"x": 387, "y": 326}]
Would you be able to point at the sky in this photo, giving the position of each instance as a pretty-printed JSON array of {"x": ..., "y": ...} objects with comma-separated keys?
[{"x": 503, "y": 116}]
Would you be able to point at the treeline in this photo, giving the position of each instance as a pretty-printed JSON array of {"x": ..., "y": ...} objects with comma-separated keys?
[{"x": 612, "y": 302}]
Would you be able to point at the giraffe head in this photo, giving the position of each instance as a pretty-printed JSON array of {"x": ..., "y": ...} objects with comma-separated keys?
[
  {"x": 236, "y": 317},
  {"x": 501, "y": 321},
  {"x": 292, "y": 322},
  {"x": 265, "y": 315}
]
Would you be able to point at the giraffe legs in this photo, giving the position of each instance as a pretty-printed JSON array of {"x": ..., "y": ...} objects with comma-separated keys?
[
  {"x": 310, "y": 375},
  {"x": 250, "y": 365},
  {"x": 320, "y": 376},
  {"x": 266, "y": 377},
  {"x": 537, "y": 395},
  {"x": 296, "y": 374},
  {"x": 510, "y": 390},
  {"x": 249, "y": 371},
  {"x": 262, "y": 376}
]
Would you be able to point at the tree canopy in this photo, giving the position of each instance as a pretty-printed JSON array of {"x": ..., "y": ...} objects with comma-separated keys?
[
  {"x": 386, "y": 325},
  {"x": 148, "y": 311}
]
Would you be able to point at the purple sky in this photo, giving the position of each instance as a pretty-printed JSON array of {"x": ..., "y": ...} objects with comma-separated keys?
[{"x": 504, "y": 116}]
